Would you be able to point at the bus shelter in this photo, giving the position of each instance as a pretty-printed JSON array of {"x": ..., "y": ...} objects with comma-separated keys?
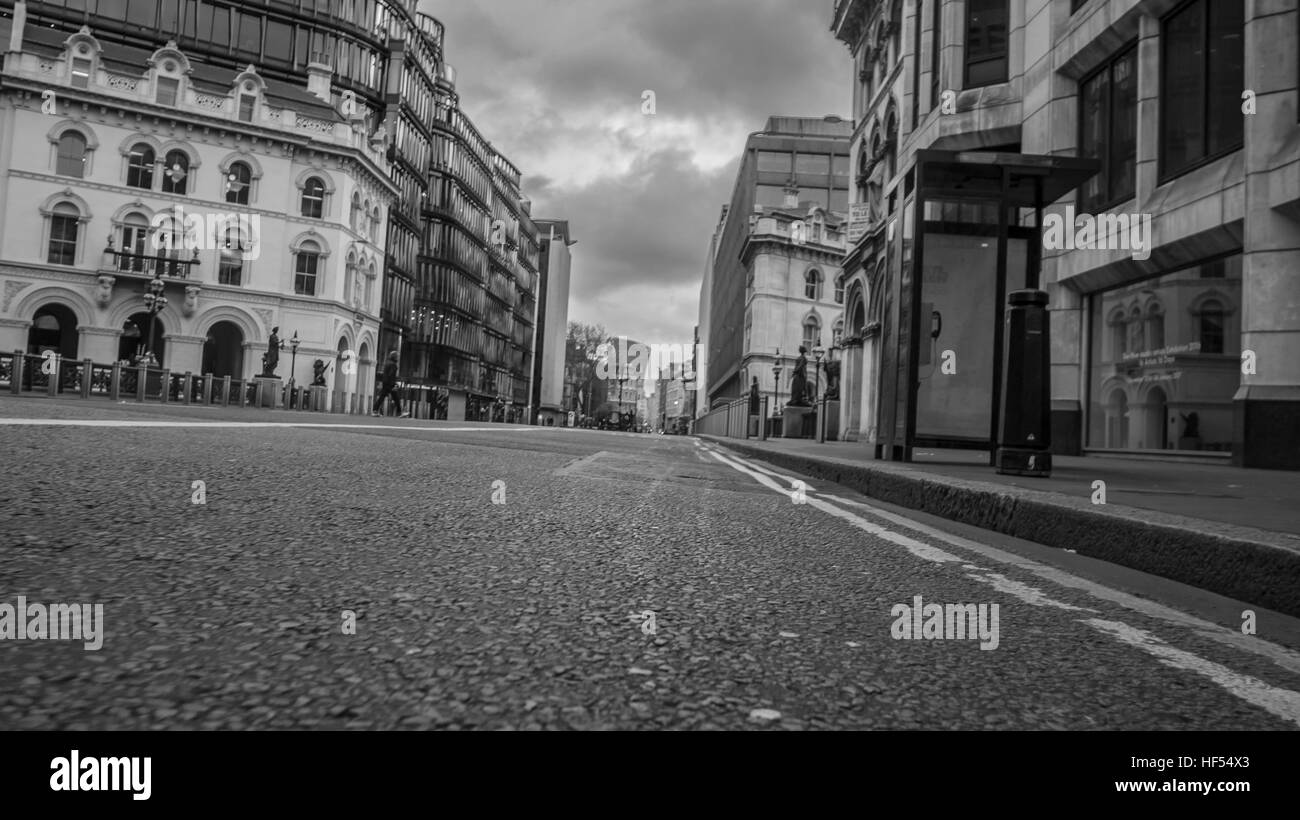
[{"x": 954, "y": 251}]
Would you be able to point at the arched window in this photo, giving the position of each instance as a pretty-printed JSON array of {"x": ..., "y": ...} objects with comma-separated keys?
[
  {"x": 355, "y": 215},
  {"x": 169, "y": 239},
  {"x": 896, "y": 35},
  {"x": 234, "y": 247},
  {"x": 1136, "y": 333},
  {"x": 72, "y": 154},
  {"x": 370, "y": 287},
  {"x": 349, "y": 280},
  {"x": 1155, "y": 327},
  {"x": 374, "y": 224},
  {"x": 812, "y": 284},
  {"x": 863, "y": 160},
  {"x": 139, "y": 166},
  {"x": 839, "y": 289},
  {"x": 135, "y": 243},
  {"x": 305, "y": 269},
  {"x": 313, "y": 198},
  {"x": 891, "y": 141},
  {"x": 812, "y": 333},
  {"x": 837, "y": 332},
  {"x": 1211, "y": 320},
  {"x": 63, "y": 235},
  {"x": 238, "y": 183},
  {"x": 1118, "y": 336},
  {"x": 176, "y": 172}
]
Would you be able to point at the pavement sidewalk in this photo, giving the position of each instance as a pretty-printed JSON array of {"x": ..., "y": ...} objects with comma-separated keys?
[{"x": 1232, "y": 531}]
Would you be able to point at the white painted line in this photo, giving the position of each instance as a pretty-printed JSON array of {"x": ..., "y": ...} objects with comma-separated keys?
[
  {"x": 1026, "y": 593},
  {"x": 1285, "y": 658},
  {"x": 1282, "y": 702},
  {"x": 242, "y": 424},
  {"x": 917, "y": 548}
]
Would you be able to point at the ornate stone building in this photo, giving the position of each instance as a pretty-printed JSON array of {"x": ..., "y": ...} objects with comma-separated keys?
[{"x": 248, "y": 202}]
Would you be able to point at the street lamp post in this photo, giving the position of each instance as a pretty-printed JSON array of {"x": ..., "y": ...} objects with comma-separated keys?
[
  {"x": 293, "y": 359},
  {"x": 817, "y": 352},
  {"x": 154, "y": 302},
  {"x": 776, "y": 371}
]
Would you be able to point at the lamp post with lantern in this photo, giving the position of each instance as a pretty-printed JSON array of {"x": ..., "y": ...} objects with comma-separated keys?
[
  {"x": 776, "y": 373},
  {"x": 154, "y": 302},
  {"x": 293, "y": 362}
]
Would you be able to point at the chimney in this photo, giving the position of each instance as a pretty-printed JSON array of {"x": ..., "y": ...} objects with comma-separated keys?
[
  {"x": 791, "y": 196},
  {"x": 20, "y": 22},
  {"x": 318, "y": 80}
]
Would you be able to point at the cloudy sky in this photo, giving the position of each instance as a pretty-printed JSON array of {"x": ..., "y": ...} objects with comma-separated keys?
[{"x": 556, "y": 85}]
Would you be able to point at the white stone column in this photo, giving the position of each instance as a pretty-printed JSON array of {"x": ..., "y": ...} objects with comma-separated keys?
[{"x": 1266, "y": 407}]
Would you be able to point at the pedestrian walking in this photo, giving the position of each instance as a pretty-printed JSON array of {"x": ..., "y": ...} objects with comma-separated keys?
[{"x": 389, "y": 387}]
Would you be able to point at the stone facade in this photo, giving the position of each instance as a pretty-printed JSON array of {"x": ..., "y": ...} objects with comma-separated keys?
[
  {"x": 120, "y": 162},
  {"x": 1198, "y": 334}
]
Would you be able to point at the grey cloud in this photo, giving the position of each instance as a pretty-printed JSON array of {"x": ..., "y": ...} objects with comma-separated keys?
[{"x": 525, "y": 66}]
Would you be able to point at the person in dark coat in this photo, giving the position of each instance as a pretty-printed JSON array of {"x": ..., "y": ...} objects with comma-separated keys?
[
  {"x": 389, "y": 387},
  {"x": 754, "y": 398}
]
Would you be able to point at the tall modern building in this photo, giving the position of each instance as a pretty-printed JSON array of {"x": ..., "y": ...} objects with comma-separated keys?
[
  {"x": 1160, "y": 139},
  {"x": 143, "y": 158},
  {"x": 804, "y": 160},
  {"x": 548, "y": 381},
  {"x": 701, "y": 379}
]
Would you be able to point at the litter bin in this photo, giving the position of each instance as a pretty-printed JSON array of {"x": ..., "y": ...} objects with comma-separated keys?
[{"x": 1024, "y": 438}]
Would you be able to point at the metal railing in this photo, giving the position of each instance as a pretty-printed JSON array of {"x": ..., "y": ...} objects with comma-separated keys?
[
  {"x": 50, "y": 374},
  {"x": 734, "y": 421}
]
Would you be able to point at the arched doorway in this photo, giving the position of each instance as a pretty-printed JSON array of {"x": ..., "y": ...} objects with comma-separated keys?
[
  {"x": 132, "y": 342},
  {"x": 223, "y": 350},
  {"x": 54, "y": 327},
  {"x": 1117, "y": 420},
  {"x": 342, "y": 368},
  {"x": 1157, "y": 425},
  {"x": 365, "y": 384},
  {"x": 851, "y": 373}
]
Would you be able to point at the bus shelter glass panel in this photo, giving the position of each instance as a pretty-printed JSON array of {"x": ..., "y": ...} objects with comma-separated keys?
[{"x": 959, "y": 311}]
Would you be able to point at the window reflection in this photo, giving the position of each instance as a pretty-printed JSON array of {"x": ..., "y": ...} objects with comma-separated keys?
[{"x": 1165, "y": 361}]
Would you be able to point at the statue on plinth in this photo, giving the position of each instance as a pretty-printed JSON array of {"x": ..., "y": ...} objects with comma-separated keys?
[
  {"x": 833, "y": 381},
  {"x": 272, "y": 358},
  {"x": 799, "y": 381}
]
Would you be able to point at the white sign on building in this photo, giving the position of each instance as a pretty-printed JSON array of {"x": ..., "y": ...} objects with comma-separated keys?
[{"x": 859, "y": 218}]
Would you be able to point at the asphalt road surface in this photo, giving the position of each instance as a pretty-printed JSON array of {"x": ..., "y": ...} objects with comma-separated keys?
[{"x": 505, "y": 577}]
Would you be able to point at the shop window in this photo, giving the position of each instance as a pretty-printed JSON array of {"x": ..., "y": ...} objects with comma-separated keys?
[{"x": 1164, "y": 361}]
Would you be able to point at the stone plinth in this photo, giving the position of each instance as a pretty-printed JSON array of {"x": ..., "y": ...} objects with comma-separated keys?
[
  {"x": 271, "y": 390},
  {"x": 793, "y": 421}
]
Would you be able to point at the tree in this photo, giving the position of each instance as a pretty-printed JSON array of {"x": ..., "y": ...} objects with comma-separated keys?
[
  {"x": 583, "y": 341},
  {"x": 581, "y": 354}
]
